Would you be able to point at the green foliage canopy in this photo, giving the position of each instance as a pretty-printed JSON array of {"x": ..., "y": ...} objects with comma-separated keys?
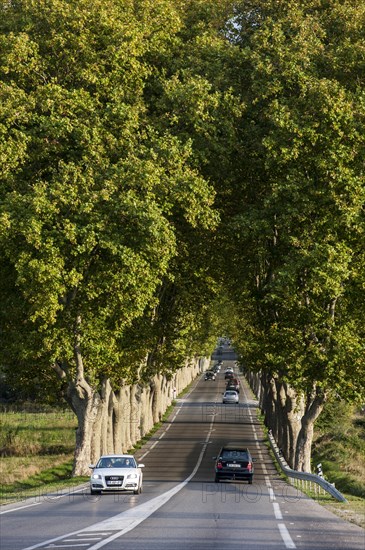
[
  {"x": 92, "y": 191},
  {"x": 297, "y": 217}
]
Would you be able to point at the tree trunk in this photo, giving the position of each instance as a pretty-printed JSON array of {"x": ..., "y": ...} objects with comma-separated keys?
[
  {"x": 85, "y": 402},
  {"x": 294, "y": 413},
  {"x": 271, "y": 406},
  {"x": 282, "y": 420},
  {"x": 290, "y": 410},
  {"x": 118, "y": 421},
  {"x": 291, "y": 418},
  {"x": 112, "y": 422},
  {"x": 314, "y": 406}
]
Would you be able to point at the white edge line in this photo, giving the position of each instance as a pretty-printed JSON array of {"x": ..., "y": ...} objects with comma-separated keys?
[
  {"x": 288, "y": 541},
  {"x": 20, "y": 508},
  {"x": 133, "y": 516},
  {"x": 42, "y": 497}
]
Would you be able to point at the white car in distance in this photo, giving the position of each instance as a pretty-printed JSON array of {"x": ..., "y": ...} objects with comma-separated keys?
[{"x": 116, "y": 473}]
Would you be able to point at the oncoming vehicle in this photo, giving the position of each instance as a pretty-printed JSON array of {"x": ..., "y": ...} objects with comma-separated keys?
[
  {"x": 230, "y": 396},
  {"x": 234, "y": 462},
  {"x": 209, "y": 375},
  {"x": 116, "y": 473}
]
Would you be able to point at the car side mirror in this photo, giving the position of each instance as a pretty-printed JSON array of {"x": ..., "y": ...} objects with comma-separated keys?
[
  {"x": 140, "y": 465},
  {"x": 92, "y": 466}
]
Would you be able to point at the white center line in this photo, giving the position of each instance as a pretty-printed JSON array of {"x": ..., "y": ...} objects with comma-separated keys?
[
  {"x": 277, "y": 511},
  {"x": 128, "y": 520}
]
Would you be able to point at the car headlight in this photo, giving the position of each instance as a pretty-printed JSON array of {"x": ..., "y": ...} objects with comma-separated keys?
[
  {"x": 96, "y": 476},
  {"x": 132, "y": 476}
]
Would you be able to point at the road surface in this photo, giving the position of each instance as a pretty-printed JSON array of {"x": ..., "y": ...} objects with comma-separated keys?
[{"x": 181, "y": 507}]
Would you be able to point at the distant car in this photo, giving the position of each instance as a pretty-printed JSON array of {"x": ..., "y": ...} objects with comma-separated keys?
[
  {"x": 116, "y": 473},
  {"x": 229, "y": 374},
  {"x": 216, "y": 368},
  {"x": 233, "y": 384},
  {"x": 209, "y": 375},
  {"x": 230, "y": 396},
  {"x": 234, "y": 462}
]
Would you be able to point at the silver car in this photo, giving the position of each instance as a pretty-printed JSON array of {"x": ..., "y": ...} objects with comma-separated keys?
[
  {"x": 230, "y": 396},
  {"x": 116, "y": 473}
]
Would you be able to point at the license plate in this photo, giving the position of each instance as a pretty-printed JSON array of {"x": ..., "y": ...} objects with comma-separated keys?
[
  {"x": 114, "y": 483},
  {"x": 234, "y": 465}
]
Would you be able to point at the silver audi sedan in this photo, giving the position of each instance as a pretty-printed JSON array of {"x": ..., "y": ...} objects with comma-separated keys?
[{"x": 116, "y": 473}]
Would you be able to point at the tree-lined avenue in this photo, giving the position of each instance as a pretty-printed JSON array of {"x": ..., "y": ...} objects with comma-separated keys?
[{"x": 201, "y": 514}]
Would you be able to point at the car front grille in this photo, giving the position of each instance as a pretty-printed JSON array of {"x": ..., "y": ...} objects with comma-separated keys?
[{"x": 114, "y": 480}]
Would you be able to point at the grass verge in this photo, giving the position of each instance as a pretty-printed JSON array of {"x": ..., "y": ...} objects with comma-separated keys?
[
  {"x": 339, "y": 445},
  {"x": 50, "y": 480},
  {"x": 37, "y": 452}
]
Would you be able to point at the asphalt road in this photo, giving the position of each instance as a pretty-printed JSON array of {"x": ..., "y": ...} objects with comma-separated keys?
[{"x": 181, "y": 507}]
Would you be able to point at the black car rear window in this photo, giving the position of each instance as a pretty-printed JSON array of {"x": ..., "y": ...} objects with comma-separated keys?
[{"x": 234, "y": 455}]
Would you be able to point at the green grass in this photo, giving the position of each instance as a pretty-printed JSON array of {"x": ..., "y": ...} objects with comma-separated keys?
[
  {"x": 37, "y": 452},
  {"x": 30, "y": 434},
  {"x": 339, "y": 445},
  {"x": 50, "y": 480},
  {"x": 353, "y": 510}
]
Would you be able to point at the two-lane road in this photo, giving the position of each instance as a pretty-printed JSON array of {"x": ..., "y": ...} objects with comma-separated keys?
[{"x": 181, "y": 506}]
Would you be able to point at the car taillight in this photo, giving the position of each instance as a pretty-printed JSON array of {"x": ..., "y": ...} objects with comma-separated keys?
[
  {"x": 249, "y": 466},
  {"x": 219, "y": 465}
]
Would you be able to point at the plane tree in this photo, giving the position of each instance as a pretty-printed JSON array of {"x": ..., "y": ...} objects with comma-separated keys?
[
  {"x": 297, "y": 228},
  {"x": 91, "y": 193}
]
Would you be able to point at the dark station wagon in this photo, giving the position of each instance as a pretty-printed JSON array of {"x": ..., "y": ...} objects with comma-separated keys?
[
  {"x": 233, "y": 384},
  {"x": 235, "y": 463}
]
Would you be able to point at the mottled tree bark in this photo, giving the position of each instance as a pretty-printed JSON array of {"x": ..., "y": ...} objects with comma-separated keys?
[
  {"x": 314, "y": 406},
  {"x": 113, "y": 421},
  {"x": 290, "y": 417}
]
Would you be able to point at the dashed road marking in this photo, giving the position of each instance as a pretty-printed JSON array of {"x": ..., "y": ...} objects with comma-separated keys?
[
  {"x": 288, "y": 541},
  {"x": 129, "y": 519},
  {"x": 277, "y": 511}
]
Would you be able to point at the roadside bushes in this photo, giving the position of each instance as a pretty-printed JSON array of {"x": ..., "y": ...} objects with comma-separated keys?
[{"x": 339, "y": 445}]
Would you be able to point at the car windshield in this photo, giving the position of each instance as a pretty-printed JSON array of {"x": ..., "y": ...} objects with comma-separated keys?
[
  {"x": 230, "y": 393},
  {"x": 116, "y": 463}
]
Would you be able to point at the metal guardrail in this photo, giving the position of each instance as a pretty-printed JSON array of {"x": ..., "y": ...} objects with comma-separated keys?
[{"x": 304, "y": 476}]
